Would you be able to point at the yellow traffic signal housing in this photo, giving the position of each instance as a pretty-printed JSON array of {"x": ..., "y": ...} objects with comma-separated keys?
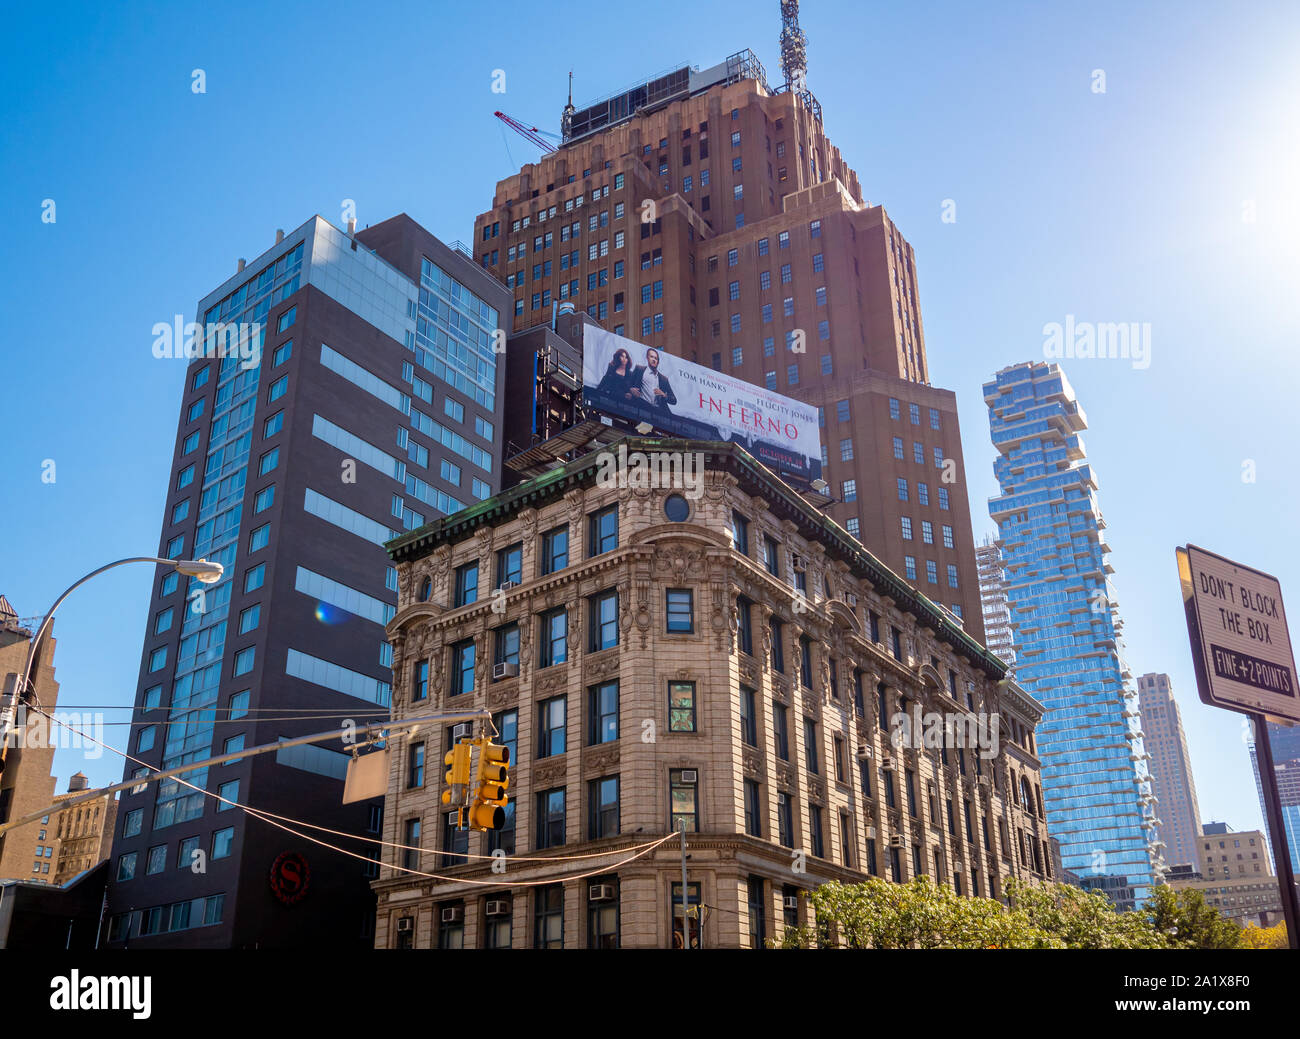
[
  {"x": 488, "y": 811},
  {"x": 457, "y": 761}
]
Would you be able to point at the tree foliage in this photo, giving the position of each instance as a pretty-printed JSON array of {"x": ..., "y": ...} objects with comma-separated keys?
[
  {"x": 1254, "y": 937},
  {"x": 920, "y": 914}
]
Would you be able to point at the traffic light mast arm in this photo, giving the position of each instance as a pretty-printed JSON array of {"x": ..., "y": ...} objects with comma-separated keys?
[{"x": 221, "y": 759}]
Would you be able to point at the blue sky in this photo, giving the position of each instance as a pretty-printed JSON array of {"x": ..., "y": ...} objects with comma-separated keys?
[{"x": 1122, "y": 206}]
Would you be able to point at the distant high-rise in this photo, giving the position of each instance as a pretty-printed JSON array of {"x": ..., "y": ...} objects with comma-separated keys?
[
  {"x": 1284, "y": 741},
  {"x": 1171, "y": 771},
  {"x": 707, "y": 213},
  {"x": 371, "y": 407},
  {"x": 993, "y": 602},
  {"x": 1066, "y": 628}
]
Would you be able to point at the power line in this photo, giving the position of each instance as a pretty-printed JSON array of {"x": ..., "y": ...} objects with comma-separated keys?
[{"x": 272, "y": 817}]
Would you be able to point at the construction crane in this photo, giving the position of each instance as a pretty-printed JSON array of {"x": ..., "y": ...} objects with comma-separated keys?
[{"x": 529, "y": 133}]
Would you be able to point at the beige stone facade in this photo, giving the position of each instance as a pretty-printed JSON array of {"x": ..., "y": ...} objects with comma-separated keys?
[
  {"x": 84, "y": 834},
  {"x": 767, "y": 739}
]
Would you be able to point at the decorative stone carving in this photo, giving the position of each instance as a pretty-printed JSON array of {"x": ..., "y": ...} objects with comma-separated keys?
[
  {"x": 752, "y": 763},
  {"x": 528, "y": 523},
  {"x": 785, "y": 773},
  {"x": 502, "y": 694},
  {"x": 600, "y": 760},
  {"x": 548, "y": 772}
]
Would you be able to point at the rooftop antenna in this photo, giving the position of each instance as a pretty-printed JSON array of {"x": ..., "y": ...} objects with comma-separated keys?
[
  {"x": 794, "y": 44},
  {"x": 566, "y": 118}
]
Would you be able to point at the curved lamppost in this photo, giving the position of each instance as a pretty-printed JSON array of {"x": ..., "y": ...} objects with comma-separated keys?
[{"x": 200, "y": 569}]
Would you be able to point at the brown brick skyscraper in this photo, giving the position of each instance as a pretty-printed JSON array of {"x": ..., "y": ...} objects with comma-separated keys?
[{"x": 710, "y": 215}]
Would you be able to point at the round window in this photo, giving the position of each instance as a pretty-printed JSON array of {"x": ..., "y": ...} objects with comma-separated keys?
[{"x": 676, "y": 508}]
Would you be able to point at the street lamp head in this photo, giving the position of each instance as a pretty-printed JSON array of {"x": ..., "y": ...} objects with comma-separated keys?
[
  {"x": 200, "y": 569},
  {"x": 820, "y": 486},
  {"x": 644, "y": 428}
]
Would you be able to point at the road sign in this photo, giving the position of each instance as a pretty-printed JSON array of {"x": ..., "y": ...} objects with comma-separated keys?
[{"x": 1239, "y": 635}]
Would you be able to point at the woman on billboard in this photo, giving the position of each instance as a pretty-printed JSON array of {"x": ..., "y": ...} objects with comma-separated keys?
[{"x": 617, "y": 381}]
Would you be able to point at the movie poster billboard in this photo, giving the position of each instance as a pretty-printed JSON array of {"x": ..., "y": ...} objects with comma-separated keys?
[{"x": 623, "y": 378}]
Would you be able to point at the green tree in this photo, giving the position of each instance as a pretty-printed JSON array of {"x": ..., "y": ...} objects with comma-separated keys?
[
  {"x": 877, "y": 914},
  {"x": 1190, "y": 922}
]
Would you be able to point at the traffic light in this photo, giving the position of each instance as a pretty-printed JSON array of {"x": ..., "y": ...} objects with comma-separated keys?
[
  {"x": 457, "y": 761},
  {"x": 488, "y": 812}
]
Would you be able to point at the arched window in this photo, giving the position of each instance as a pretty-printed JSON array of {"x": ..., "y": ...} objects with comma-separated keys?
[{"x": 426, "y": 589}]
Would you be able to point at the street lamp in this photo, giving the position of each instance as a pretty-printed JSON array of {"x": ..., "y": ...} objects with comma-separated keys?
[{"x": 200, "y": 569}]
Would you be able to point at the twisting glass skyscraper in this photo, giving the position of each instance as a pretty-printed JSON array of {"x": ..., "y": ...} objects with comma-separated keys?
[{"x": 1066, "y": 632}]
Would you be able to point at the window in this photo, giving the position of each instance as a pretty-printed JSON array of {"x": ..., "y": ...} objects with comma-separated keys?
[
  {"x": 927, "y": 532},
  {"x": 420, "y": 681},
  {"x": 815, "y": 831},
  {"x": 550, "y": 819},
  {"x": 603, "y": 531},
  {"x": 952, "y": 575},
  {"x": 466, "y": 584},
  {"x": 771, "y": 555},
  {"x": 196, "y": 410},
  {"x": 748, "y": 716},
  {"x": 943, "y": 498},
  {"x": 555, "y": 550},
  {"x": 259, "y": 538},
  {"x": 415, "y": 765},
  {"x": 185, "y": 477},
  {"x": 681, "y": 707},
  {"x": 909, "y": 565},
  {"x": 552, "y": 720},
  {"x": 602, "y": 808},
  {"x": 810, "y": 745},
  {"x": 277, "y": 389},
  {"x": 846, "y": 450},
  {"x": 548, "y": 917},
  {"x": 604, "y": 621},
  {"x": 249, "y": 619},
  {"x": 778, "y": 645},
  {"x": 411, "y": 838},
  {"x": 744, "y": 625},
  {"x": 683, "y": 800},
  {"x": 268, "y": 461},
  {"x": 680, "y": 610},
  {"x": 785, "y": 820},
  {"x": 223, "y": 842},
  {"x": 264, "y": 500},
  {"x": 907, "y": 527},
  {"x": 554, "y": 647},
  {"x": 931, "y": 571},
  {"x": 462, "y": 668},
  {"x": 780, "y": 731},
  {"x": 849, "y": 490},
  {"x": 753, "y": 809},
  {"x": 125, "y": 866},
  {"x": 902, "y": 488},
  {"x": 282, "y": 353},
  {"x": 510, "y": 565},
  {"x": 286, "y": 319}
]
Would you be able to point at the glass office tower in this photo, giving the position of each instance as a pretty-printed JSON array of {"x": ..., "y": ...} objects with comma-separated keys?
[
  {"x": 370, "y": 407},
  {"x": 1067, "y": 634}
]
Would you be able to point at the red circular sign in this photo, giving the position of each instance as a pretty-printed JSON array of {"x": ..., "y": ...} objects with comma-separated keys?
[{"x": 290, "y": 876}]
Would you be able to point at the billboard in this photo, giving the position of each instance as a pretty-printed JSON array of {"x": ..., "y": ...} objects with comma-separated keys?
[{"x": 623, "y": 378}]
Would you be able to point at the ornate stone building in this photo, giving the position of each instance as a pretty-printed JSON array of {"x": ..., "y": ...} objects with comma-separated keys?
[
  {"x": 85, "y": 833},
  {"x": 714, "y": 652}
]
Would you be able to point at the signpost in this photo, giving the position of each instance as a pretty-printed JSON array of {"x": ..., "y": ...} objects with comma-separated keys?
[{"x": 1241, "y": 650}]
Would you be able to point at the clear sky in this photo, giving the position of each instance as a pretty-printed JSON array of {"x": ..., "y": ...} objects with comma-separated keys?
[{"x": 1132, "y": 205}]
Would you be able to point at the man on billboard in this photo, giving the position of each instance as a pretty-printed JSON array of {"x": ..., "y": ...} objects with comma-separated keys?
[{"x": 651, "y": 385}]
